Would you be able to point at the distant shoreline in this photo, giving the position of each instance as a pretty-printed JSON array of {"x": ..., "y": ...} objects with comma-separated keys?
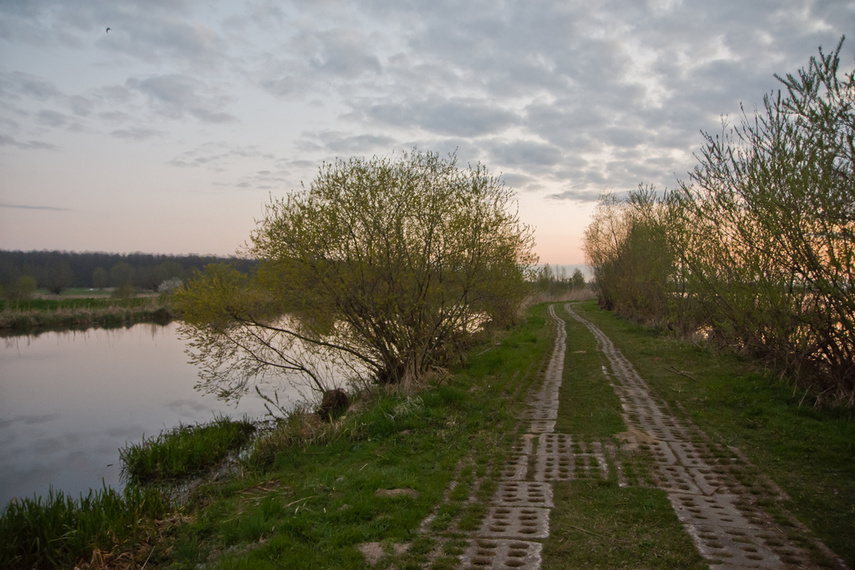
[{"x": 52, "y": 316}]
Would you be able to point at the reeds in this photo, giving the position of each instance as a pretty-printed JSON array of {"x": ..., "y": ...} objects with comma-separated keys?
[
  {"x": 58, "y": 531},
  {"x": 106, "y": 313},
  {"x": 184, "y": 451}
]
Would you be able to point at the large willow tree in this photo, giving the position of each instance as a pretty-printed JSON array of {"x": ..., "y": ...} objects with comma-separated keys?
[{"x": 382, "y": 267}]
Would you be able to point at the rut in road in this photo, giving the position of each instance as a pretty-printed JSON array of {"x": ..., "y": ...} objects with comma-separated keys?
[{"x": 716, "y": 510}]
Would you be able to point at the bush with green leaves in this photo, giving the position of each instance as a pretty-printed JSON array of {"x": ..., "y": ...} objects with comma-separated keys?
[
  {"x": 757, "y": 248},
  {"x": 381, "y": 268}
]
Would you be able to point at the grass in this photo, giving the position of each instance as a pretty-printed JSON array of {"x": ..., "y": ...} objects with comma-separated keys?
[
  {"x": 91, "y": 301},
  {"x": 58, "y": 531},
  {"x": 184, "y": 451},
  {"x": 307, "y": 495},
  {"x": 23, "y": 317},
  {"x": 596, "y": 523},
  {"x": 808, "y": 452},
  {"x": 313, "y": 502}
]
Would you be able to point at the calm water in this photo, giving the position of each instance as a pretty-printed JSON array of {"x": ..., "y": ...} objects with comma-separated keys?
[{"x": 70, "y": 400}]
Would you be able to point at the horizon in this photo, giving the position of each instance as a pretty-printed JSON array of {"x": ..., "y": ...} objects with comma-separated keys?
[{"x": 171, "y": 132}]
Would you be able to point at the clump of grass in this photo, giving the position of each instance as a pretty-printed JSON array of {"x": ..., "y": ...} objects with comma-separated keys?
[
  {"x": 298, "y": 429},
  {"x": 185, "y": 450},
  {"x": 58, "y": 531}
]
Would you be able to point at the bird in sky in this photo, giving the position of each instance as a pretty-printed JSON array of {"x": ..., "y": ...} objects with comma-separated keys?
[{"x": 108, "y": 31}]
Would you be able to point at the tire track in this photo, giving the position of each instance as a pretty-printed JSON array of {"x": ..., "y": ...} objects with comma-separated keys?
[{"x": 719, "y": 513}]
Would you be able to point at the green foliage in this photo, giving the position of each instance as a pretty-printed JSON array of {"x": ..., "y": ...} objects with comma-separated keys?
[
  {"x": 184, "y": 451},
  {"x": 556, "y": 283},
  {"x": 626, "y": 245},
  {"x": 22, "y": 289},
  {"x": 122, "y": 274},
  {"x": 100, "y": 278},
  {"x": 770, "y": 255},
  {"x": 58, "y": 532},
  {"x": 757, "y": 251},
  {"x": 383, "y": 267},
  {"x": 56, "y": 276}
]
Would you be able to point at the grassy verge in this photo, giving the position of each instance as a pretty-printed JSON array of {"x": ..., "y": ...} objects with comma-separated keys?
[
  {"x": 184, "y": 451},
  {"x": 312, "y": 493},
  {"x": 373, "y": 476},
  {"x": 596, "y": 523},
  {"x": 807, "y": 452}
]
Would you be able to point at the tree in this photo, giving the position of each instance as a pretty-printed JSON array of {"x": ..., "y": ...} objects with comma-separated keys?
[
  {"x": 770, "y": 257},
  {"x": 626, "y": 246},
  {"x": 22, "y": 289},
  {"x": 386, "y": 267},
  {"x": 122, "y": 274},
  {"x": 100, "y": 278},
  {"x": 56, "y": 275}
]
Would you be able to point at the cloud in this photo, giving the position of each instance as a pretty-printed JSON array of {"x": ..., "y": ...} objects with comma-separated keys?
[
  {"x": 463, "y": 117},
  {"x": 6, "y": 140},
  {"x": 344, "y": 143},
  {"x": 137, "y": 133},
  {"x": 218, "y": 155},
  {"x": 177, "y": 95},
  {"x": 526, "y": 154},
  {"x": 28, "y": 207},
  {"x": 313, "y": 60}
]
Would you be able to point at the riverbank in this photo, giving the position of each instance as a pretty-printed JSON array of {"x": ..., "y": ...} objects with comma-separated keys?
[
  {"x": 80, "y": 313},
  {"x": 379, "y": 479}
]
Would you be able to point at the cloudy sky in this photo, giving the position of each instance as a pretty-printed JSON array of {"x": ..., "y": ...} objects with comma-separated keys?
[{"x": 168, "y": 133}]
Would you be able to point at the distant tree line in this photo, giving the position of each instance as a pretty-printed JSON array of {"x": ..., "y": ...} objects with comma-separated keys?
[
  {"x": 756, "y": 251},
  {"x": 556, "y": 281},
  {"x": 21, "y": 272}
]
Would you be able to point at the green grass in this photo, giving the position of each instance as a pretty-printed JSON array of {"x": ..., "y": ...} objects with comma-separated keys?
[
  {"x": 58, "y": 531},
  {"x": 184, "y": 451},
  {"x": 312, "y": 501},
  {"x": 595, "y": 522},
  {"x": 807, "y": 452},
  {"x": 24, "y": 317},
  {"x": 90, "y": 302},
  {"x": 307, "y": 497},
  {"x": 589, "y": 405}
]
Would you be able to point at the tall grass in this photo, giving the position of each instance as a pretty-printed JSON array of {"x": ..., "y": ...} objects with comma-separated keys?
[
  {"x": 184, "y": 451},
  {"x": 58, "y": 531},
  {"x": 39, "y": 314}
]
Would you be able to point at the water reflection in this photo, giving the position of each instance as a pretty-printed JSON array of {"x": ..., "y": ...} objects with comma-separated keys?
[{"x": 69, "y": 400}]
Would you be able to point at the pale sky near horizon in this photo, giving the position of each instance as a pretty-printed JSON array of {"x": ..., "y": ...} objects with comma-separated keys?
[{"x": 168, "y": 133}]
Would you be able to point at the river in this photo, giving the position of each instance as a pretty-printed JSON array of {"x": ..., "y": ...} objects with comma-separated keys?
[{"x": 70, "y": 400}]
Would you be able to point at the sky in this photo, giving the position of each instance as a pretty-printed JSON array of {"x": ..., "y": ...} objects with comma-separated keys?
[{"x": 171, "y": 131}]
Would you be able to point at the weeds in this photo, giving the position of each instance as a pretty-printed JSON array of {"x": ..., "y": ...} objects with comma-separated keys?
[
  {"x": 184, "y": 451},
  {"x": 57, "y": 531}
]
